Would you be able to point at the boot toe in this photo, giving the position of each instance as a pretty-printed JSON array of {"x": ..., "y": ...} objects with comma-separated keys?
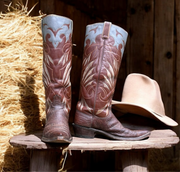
[{"x": 56, "y": 135}]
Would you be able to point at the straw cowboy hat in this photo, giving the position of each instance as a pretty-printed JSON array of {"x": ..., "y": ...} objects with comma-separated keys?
[{"x": 141, "y": 95}]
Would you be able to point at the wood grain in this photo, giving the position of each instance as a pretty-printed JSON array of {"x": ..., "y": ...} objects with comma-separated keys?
[
  {"x": 140, "y": 41},
  {"x": 46, "y": 160},
  {"x": 158, "y": 139},
  {"x": 163, "y": 51},
  {"x": 47, "y": 6},
  {"x": 178, "y": 61}
]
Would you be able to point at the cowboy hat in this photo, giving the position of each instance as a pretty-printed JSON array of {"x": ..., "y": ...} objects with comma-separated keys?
[{"x": 141, "y": 95}]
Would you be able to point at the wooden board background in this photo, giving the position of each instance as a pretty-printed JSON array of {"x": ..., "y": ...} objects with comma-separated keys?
[{"x": 153, "y": 49}]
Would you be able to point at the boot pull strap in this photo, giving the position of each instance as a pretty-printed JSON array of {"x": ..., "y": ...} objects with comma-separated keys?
[{"x": 106, "y": 30}]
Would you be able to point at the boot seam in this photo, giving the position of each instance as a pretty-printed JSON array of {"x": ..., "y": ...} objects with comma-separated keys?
[{"x": 100, "y": 62}]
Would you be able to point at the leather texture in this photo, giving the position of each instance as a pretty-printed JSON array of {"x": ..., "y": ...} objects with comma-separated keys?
[
  {"x": 103, "y": 51},
  {"x": 57, "y": 59}
]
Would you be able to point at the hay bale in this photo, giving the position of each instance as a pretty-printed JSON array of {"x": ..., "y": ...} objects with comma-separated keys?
[{"x": 21, "y": 88}]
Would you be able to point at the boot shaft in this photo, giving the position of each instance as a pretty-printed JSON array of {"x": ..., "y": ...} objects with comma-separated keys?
[
  {"x": 103, "y": 50},
  {"x": 56, "y": 30},
  {"x": 98, "y": 32},
  {"x": 57, "y": 57}
]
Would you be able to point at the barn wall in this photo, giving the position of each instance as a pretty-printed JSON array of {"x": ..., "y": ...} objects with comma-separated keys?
[{"x": 153, "y": 46}]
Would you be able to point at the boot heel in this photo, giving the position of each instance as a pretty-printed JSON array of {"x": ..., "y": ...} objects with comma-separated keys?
[{"x": 84, "y": 132}]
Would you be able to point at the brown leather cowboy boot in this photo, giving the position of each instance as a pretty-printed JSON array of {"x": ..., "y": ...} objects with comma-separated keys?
[
  {"x": 57, "y": 57},
  {"x": 103, "y": 50}
]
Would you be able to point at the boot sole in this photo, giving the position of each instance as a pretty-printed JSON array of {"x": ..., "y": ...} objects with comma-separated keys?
[
  {"x": 85, "y": 132},
  {"x": 57, "y": 139}
]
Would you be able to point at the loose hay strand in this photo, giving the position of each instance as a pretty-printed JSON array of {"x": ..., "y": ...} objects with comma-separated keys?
[{"x": 22, "y": 92}]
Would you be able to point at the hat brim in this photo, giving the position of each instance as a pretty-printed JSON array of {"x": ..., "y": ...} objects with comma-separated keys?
[{"x": 143, "y": 111}]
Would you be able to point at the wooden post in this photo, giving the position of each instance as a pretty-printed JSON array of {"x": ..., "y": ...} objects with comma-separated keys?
[
  {"x": 134, "y": 160},
  {"x": 44, "y": 160}
]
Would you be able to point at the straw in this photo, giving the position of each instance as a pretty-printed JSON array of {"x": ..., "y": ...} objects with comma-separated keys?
[{"x": 21, "y": 89}]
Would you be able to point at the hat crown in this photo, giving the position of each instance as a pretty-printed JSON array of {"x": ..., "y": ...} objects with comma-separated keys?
[{"x": 142, "y": 90}]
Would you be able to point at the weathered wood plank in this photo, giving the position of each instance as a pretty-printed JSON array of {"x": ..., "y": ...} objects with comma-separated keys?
[
  {"x": 177, "y": 97},
  {"x": 140, "y": 41},
  {"x": 158, "y": 139},
  {"x": 59, "y": 7},
  {"x": 119, "y": 8},
  {"x": 163, "y": 51},
  {"x": 47, "y": 6},
  {"x": 177, "y": 72}
]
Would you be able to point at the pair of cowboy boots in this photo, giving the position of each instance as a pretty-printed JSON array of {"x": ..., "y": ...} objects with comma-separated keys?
[{"x": 103, "y": 50}]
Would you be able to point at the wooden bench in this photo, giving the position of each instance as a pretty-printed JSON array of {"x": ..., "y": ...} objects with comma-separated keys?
[{"x": 45, "y": 157}]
